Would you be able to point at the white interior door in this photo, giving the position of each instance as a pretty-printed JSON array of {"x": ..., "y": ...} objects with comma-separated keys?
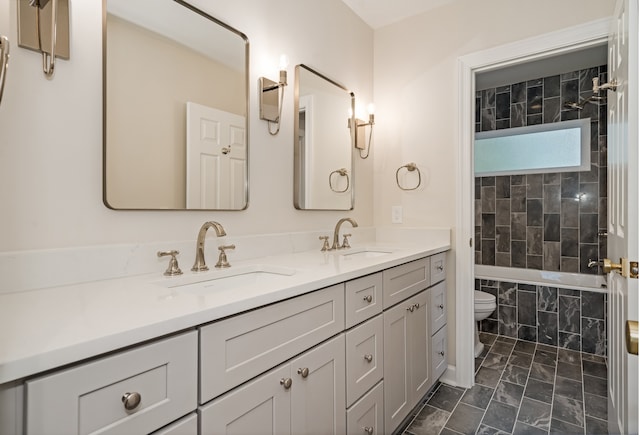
[
  {"x": 216, "y": 158},
  {"x": 623, "y": 239}
]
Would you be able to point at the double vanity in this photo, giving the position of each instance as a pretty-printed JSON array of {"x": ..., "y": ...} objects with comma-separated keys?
[{"x": 342, "y": 341}]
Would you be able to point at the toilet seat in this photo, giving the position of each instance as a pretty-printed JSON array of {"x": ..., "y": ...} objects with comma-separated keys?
[{"x": 483, "y": 297}]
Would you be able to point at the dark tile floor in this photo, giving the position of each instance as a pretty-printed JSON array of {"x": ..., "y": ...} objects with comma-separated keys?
[{"x": 521, "y": 388}]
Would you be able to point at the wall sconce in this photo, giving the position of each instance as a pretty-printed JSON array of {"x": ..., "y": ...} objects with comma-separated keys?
[
  {"x": 271, "y": 96},
  {"x": 43, "y": 26},
  {"x": 359, "y": 137}
]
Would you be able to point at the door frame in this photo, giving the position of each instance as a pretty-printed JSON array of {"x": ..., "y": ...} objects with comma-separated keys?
[{"x": 550, "y": 44}]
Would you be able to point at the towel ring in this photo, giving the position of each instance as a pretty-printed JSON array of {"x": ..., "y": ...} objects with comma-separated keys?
[
  {"x": 410, "y": 167},
  {"x": 343, "y": 172}
]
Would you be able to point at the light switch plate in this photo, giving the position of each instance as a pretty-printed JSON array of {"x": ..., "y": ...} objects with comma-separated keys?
[{"x": 396, "y": 214}]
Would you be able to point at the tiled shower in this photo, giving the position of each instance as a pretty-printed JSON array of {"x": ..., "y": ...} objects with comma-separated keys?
[{"x": 551, "y": 221}]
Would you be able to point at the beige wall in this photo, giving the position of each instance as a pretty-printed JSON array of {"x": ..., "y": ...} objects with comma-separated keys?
[
  {"x": 416, "y": 94},
  {"x": 51, "y": 130}
]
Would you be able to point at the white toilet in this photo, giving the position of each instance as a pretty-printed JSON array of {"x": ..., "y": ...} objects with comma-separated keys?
[{"x": 484, "y": 305}]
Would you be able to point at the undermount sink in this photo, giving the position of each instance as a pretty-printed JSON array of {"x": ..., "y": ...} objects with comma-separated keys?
[
  {"x": 258, "y": 274},
  {"x": 364, "y": 253}
]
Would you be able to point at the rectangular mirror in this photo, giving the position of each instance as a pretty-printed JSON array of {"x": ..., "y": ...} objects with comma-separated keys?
[
  {"x": 323, "y": 164},
  {"x": 175, "y": 108}
]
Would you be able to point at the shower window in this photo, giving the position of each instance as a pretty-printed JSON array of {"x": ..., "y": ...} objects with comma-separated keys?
[{"x": 555, "y": 147}]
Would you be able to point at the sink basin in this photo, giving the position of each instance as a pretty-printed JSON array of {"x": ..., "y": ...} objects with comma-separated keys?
[
  {"x": 258, "y": 274},
  {"x": 363, "y": 253}
]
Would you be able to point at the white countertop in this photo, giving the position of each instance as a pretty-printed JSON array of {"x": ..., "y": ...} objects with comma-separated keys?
[{"x": 48, "y": 328}]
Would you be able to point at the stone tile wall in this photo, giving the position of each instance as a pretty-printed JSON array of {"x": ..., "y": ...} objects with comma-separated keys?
[
  {"x": 571, "y": 319},
  {"x": 543, "y": 221}
]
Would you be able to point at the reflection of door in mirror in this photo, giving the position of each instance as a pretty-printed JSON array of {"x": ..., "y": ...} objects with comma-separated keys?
[
  {"x": 322, "y": 143},
  {"x": 159, "y": 55},
  {"x": 216, "y": 158}
]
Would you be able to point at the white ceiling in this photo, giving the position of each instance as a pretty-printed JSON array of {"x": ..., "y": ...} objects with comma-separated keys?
[{"x": 380, "y": 13}]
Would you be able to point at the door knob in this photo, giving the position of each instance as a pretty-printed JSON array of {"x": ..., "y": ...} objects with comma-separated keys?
[
  {"x": 632, "y": 336},
  {"x": 286, "y": 383},
  {"x": 608, "y": 266},
  {"x": 132, "y": 400}
]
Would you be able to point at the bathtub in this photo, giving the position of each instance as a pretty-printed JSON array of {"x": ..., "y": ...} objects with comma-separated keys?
[{"x": 576, "y": 281}]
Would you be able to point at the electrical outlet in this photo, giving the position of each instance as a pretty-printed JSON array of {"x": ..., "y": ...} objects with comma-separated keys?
[{"x": 396, "y": 214}]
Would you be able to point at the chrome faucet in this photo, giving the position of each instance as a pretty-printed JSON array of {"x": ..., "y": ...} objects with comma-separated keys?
[
  {"x": 336, "y": 232},
  {"x": 200, "y": 265}
]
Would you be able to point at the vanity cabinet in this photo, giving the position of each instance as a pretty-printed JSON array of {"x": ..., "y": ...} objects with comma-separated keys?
[
  {"x": 135, "y": 391},
  {"x": 438, "y": 315},
  {"x": 407, "y": 359},
  {"x": 355, "y": 357},
  {"x": 305, "y": 395}
]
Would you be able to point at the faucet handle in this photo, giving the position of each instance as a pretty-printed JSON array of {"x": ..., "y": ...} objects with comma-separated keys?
[
  {"x": 173, "y": 269},
  {"x": 222, "y": 259},
  {"x": 345, "y": 241},
  {"x": 325, "y": 244}
]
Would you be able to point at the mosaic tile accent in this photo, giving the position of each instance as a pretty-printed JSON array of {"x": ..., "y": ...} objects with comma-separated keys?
[
  {"x": 570, "y": 319},
  {"x": 543, "y": 221}
]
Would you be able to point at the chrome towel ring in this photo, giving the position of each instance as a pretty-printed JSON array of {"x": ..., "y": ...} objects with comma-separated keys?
[
  {"x": 410, "y": 167},
  {"x": 343, "y": 172}
]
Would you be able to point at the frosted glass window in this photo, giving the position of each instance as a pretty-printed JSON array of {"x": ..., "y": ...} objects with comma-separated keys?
[{"x": 554, "y": 147}]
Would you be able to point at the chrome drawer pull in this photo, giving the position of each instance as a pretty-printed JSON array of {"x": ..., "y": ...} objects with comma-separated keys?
[
  {"x": 131, "y": 401},
  {"x": 368, "y": 298},
  {"x": 368, "y": 429},
  {"x": 304, "y": 372},
  {"x": 411, "y": 308},
  {"x": 416, "y": 305},
  {"x": 441, "y": 353},
  {"x": 368, "y": 357},
  {"x": 441, "y": 306},
  {"x": 286, "y": 383},
  {"x": 440, "y": 268}
]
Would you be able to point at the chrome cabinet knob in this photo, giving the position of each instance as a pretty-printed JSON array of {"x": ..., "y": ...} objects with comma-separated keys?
[
  {"x": 304, "y": 372},
  {"x": 286, "y": 383},
  {"x": 411, "y": 308},
  {"x": 368, "y": 298},
  {"x": 441, "y": 306},
  {"x": 441, "y": 353},
  {"x": 131, "y": 401},
  {"x": 440, "y": 268},
  {"x": 368, "y": 429},
  {"x": 417, "y": 305},
  {"x": 368, "y": 357}
]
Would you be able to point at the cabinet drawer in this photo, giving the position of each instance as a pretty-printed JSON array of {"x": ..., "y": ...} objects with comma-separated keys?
[
  {"x": 438, "y": 267},
  {"x": 405, "y": 280},
  {"x": 366, "y": 416},
  {"x": 438, "y": 306},
  {"x": 89, "y": 398},
  {"x": 438, "y": 353},
  {"x": 364, "y": 357},
  {"x": 185, "y": 426},
  {"x": 363, "y": 299},
  {"x": 241, "y": 347}
]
